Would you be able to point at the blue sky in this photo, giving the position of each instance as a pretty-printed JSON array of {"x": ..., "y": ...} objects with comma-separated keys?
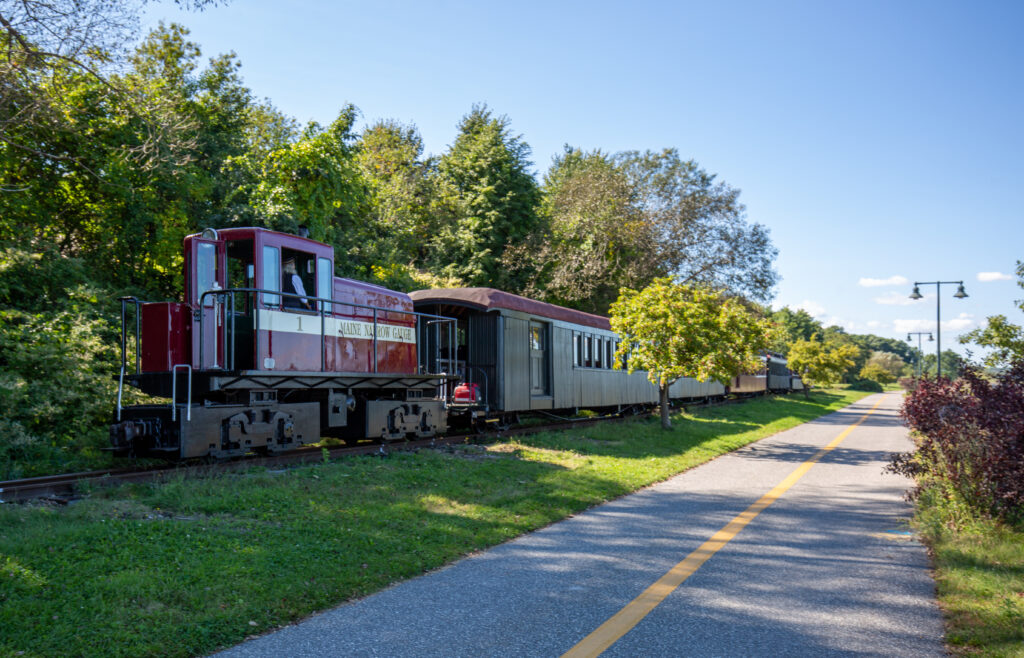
[{"x": 880, "y": 142}]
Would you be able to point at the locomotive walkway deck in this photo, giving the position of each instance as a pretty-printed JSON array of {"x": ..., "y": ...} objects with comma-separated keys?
[{"x": 822, "y": 565}]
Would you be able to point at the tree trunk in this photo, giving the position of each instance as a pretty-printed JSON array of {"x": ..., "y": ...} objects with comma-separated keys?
[{"x": 663, "y": 403}]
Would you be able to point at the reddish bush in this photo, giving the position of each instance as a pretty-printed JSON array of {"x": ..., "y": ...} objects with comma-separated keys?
[
  {"x": 907, "y": 383},
  {"x": 971, "y": 434}
]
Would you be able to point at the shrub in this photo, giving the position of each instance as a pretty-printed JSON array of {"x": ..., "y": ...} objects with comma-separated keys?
[
  {"x": 970, "y": 440},
  {"x": 866, "y": 385},
  {"x": 908, "y": 383}
]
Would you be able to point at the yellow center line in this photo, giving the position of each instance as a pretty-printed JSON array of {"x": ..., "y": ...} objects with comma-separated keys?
[{"x": 624, "y": 620}]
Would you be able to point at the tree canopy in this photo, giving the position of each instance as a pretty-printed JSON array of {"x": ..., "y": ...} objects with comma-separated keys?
[
  {"x": 675, "y": 330},
  {"x": 821, "y": 363}
]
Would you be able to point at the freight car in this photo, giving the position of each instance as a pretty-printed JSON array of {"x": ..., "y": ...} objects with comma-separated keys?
[{"x": 270, "y": 351}]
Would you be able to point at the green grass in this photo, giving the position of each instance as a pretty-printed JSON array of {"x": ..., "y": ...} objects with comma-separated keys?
[
  {"x": 189, "y": 566},
  {"x": 979, "y": 575}
]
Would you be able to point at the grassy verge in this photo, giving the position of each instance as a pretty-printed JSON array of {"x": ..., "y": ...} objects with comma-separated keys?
[
  {"x": 979, "y": 574},
  {"x": 185, "y": 567}
]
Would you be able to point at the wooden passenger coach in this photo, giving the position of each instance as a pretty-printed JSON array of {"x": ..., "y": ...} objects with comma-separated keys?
[{"x": 533, "y": 356}]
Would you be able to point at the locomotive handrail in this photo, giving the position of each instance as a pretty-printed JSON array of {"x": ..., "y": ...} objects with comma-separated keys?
[
  {"x": 321, "y": 310},
  {"x": 124, "y": 339},
  {"x": 174, "y": 390}
]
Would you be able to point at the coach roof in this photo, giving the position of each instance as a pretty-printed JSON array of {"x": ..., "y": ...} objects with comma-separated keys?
[{"x": 489, "y": 299}]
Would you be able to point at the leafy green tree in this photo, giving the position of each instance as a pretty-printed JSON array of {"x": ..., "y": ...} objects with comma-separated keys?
[
  {"x": 821, "y": 363},
  {"x": 1002, "y": 337},
  {"x": 313, "y": 183},
  {"x": 952, "y": 364},
  {"x": 594, "y": 240},
  {"x": 700, "y": 226},
  {"x": 673, "y": 330},
  {"x": 793, "y": 326},
  {"x": 876, "y": 373},
  {"x": 398, "y": 219},
  {"x": 47, "y": 43},
  {"x": 488, "y": 201},
  {"x": 891, "y": 363}
]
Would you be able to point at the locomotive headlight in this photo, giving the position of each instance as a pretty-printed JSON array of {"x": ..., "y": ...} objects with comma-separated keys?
[
  {"x": 350, "y": 402},
  {"x": 209, "y": 234}
]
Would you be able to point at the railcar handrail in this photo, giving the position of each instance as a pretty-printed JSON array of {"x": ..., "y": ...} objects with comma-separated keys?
[
  {"x": 124, "y": 339},
  {"x": 322, "y": 304}
]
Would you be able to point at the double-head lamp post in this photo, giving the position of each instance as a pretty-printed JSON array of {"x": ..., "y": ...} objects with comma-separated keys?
[
  {"x": 960, "y": 294},
  {"x": 920, "y": 352}
]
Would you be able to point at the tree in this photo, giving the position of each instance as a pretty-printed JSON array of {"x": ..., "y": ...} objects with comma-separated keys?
[
  {"x": 594, "y": 239},
  {"x": 819, "y": 363},
  {"x": 889, "y": 362},
  {"x": 313, "y": 183},
  {"x": 673, "y": 330},
  {"x": 793, "y": 326},
  {"x": 398, "y": 223},
  {"x": 876, "y": 373},
  {"x": 952, "y": 364},
  {"x": 488, "y": 201},
  {"x": 1005, "y": 339},
  {"x": 700, "y": 226},
  {"x": 44, "y": 44}
]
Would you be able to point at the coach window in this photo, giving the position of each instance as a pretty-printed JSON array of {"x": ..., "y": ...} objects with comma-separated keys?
[
  {"x": 575, "y": 348},
  {"x": 324, "y": 282},
  {"x": 598, "y": 348},
  {"x": 610, "y": 354},
  {"x": 271, "y": 275},
  {"x": 586, "y": 351}
]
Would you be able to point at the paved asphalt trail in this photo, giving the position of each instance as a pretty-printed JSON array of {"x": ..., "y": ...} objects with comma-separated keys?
[{"x": 828, "y": 569}]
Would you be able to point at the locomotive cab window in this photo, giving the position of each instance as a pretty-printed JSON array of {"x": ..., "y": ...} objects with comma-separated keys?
[
  {"x": 324, "y": 282},
  {"x": 297, "y": 280},
  {"x": 241, "y": 272},
  {"x": 271, "y": 279},
  {"x": 206, "y": 271}
]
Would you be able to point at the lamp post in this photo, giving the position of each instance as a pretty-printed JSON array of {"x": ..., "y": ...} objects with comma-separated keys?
[
  {"x": 960, "y": 294},
  {"x": 920, "y": 352}
]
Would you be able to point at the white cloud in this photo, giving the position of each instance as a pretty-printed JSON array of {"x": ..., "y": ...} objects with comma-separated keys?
[
  {"x": 993, "y": 276},
  {"x": 874, "y": 324},
  {"x": 815, "y": 309},
  {"x": 961, "y": 323},
  {"x": 898, "y": 299},
  {"x": 891, "y": 281}
]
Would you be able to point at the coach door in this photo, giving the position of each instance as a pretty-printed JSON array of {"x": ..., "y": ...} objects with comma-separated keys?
[
  {"x": 206, "y": 272},
  {"x": 539, "y": 340}
]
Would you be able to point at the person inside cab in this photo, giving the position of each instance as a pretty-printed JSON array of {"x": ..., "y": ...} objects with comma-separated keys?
[{"x": 292, "y": 283}]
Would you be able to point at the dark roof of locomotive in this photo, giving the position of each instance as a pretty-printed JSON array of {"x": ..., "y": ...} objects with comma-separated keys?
[{"x": 489, "y": 299}]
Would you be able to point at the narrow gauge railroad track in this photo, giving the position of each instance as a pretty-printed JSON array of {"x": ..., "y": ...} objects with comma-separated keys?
[{"x": 66, "y": 487}]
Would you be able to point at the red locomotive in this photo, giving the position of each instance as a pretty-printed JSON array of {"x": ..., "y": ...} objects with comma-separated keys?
[{"x": 270, "y": 350}]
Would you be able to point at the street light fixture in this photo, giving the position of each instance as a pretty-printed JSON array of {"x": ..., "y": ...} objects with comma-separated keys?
[
  {"x": 920, "y": 352},
  {"x": 959, "y": 294}
]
